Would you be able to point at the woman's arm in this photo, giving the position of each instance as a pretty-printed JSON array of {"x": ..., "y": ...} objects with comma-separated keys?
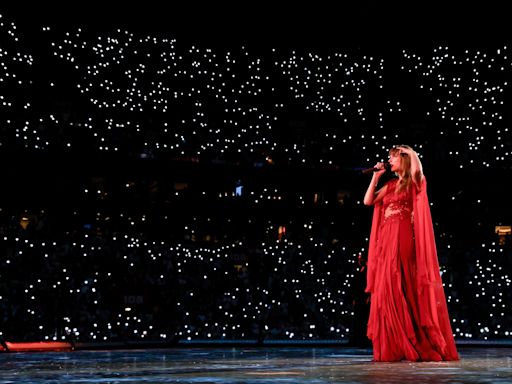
[
  {"x": 416, "y": 167},
  {"x": 371, "y": 197}
]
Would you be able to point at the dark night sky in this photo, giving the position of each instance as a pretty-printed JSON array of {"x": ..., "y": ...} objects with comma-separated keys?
[{"x": 312, "y": 23}]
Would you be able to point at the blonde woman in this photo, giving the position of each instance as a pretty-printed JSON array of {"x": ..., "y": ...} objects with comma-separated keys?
[{"x": 408, "y": 312}]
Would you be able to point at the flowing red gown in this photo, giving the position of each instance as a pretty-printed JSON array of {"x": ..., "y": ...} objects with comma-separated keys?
[{"x": 408, "y": 312}]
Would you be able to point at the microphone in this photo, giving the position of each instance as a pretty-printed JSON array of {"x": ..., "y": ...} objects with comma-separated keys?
[{"x": 387, "y": 167}]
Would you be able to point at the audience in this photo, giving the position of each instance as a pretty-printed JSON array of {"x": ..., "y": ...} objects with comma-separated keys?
[{"x": 156, "y": 190}]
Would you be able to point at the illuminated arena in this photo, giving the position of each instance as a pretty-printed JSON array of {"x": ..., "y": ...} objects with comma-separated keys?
[{"x": 183, "y": 189}]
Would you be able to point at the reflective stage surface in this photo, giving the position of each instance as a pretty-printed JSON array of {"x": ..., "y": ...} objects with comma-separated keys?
[{"x": 250, "y": 365}]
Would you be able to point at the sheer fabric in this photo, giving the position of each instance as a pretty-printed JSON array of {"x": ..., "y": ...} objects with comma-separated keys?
[{"x": 408, "y": 312}]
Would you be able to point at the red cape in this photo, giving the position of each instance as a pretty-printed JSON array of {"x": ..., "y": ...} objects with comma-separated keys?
[{"x": 429, "y": 287}]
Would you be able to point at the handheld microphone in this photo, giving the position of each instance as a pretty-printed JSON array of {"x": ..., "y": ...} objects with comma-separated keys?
[{"x": 387, "y": 167}]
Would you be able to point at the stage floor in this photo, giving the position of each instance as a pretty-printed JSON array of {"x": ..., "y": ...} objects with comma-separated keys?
[{"x": 250, "y": 365}]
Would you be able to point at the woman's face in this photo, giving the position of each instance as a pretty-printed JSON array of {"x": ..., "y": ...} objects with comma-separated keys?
[{"x": 395, "y": 161}]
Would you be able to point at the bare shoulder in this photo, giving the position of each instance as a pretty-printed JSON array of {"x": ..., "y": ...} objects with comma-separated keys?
[{"x": 420, "y": 182}]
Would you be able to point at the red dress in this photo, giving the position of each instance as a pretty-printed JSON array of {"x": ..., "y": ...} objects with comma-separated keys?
[{"x": 408, "y": 312}]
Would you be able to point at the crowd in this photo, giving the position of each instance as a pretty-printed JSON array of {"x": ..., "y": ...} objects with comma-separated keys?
[{"x": 161, "y": 190}]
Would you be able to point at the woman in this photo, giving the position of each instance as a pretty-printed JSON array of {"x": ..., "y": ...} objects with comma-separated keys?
[{"x": 408, "y": 313}]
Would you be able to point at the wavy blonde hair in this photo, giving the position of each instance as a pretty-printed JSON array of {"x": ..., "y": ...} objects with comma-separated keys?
[{"x": 406, "y": 181}]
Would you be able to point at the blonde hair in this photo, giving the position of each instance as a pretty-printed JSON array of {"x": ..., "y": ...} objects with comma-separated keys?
[{"x": 406, "y": 181}]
